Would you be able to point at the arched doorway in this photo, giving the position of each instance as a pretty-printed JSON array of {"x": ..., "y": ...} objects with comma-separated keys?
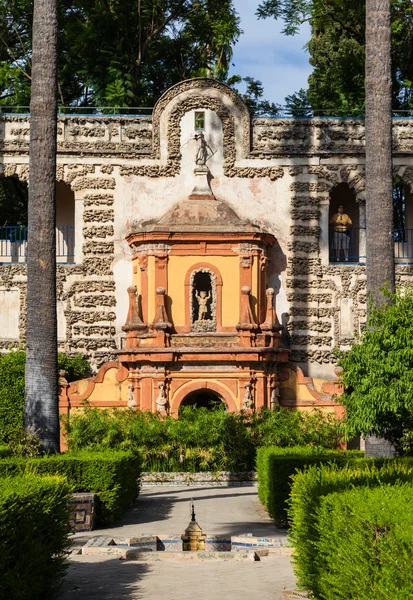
[{"x": 203, "y": 398}]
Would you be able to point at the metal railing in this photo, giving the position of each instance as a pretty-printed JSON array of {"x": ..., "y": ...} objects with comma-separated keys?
[
  {"x": 283, "y": 112},
  {"x": 348, "y": 245},
  {"x": 403, "y": 245},
  {"x": 351, "y": 245},
  {"x": 13, "y": 243},
  {"x": 86, "y": 111}
]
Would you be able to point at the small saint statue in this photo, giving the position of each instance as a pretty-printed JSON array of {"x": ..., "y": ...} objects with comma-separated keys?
[
  {"x": 161, "y": 400},
  {"x": 248, "y": 401},
  {"x": 203, "y": 299},
  {"x": 204, "y": 152}
]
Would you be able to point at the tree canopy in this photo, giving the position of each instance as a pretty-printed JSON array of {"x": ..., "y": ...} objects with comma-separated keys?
[
  {"x": 119, "y": 53},
  {"x": 337, "y": 49},
  {"x": 378, "y": 374}
]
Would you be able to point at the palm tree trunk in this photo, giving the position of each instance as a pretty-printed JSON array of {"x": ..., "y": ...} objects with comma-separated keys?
[
  {"x": 379, "y": 202},
  {"x": 379, "y": 176},
  {"x": 41, "y": 411}
]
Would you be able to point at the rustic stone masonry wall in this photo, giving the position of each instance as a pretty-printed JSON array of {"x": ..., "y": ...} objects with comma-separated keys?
[
  {"x": 276, "y": 172},
  {"x": 85, "y": 289}
]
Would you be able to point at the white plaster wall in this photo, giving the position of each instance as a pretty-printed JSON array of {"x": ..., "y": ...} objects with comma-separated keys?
[
  {"x": 61, "y": 322},
  {"x": 9, "y": 314}
]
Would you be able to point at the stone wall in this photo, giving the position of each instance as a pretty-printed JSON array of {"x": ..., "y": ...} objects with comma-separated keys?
[{"x": 278, "y": 173}]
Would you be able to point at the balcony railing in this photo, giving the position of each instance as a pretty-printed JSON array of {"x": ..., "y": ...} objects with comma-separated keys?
[
  {"x": 14, "y": 248},
  {"x": 348, "y": 246},
  {"x": 352, "y": 245},
  {"x": 403, "y": 246}
]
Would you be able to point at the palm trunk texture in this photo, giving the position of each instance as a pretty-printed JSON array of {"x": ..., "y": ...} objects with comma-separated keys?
[
  {"x": 379, "y": 203},
  {"x": 41, "y": 411}
]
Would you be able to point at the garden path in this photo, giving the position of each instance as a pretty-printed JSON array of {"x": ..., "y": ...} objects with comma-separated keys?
[{"x": 160, "y": 510}]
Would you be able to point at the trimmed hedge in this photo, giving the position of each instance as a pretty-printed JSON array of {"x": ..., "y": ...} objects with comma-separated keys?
[
  {"x": 111, "y": 475},
  {"x": 276, "y": 466},
  {"x": 307, "y": 493},
  {"x": 366, "y": 544},
  {"x": 34, "y": 517}
]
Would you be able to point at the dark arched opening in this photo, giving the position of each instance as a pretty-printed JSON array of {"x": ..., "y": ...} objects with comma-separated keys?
[
  {"x": 13, "y": 219},
  {"x": 403, "y": 221},
  {"x": 203, "y": 399},
  {"x": 344, "y": 233},
  {"x": 65, "y": 223}
]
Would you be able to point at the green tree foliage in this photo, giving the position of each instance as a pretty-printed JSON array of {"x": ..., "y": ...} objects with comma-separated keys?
[
  {"x": 119, "y": 53},
  {"x": 253, "y": 96},
  {"x": 378, "y": 374},
  {"x": 13, "y": 201},
  {"x": 201, "y": 439},
  {"x": 12, "y": 367},
  {"x": 337, "y": 49}
]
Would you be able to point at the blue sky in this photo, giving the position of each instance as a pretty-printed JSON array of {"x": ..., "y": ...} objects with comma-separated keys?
[{"x": 263, "y": 52}]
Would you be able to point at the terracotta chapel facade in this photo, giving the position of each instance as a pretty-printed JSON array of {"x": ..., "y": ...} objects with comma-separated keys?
[{"x": 196, "y": 257}]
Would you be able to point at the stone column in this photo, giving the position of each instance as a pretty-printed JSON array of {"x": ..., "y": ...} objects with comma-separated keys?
[{"x": 324, "y": 233}]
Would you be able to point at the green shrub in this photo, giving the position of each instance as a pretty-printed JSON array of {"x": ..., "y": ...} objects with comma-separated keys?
[
  {"x": 12, "y": 367},
  {"x": 276, "y": 466},
  {"x": 201, "y": 439},
  {"x": 111, "y": 475},
  {"x": 4, "y": 451},
  {"x": 378, "y": 374},
  {"x": 34, "y": 517},
  {"x": 365, "y": 544},
  {"x": 311, "y": 486}
]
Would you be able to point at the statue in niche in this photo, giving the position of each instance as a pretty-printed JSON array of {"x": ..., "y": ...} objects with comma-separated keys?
[
  {"x": 131, "y": 396},
  {"x": 275, "y": 397},
  {"x": 204, "y": 152},
  {"x": 203, "y": 299},
  {"x": 161, "y": 400},
  {"x": 248, "y": 401}
]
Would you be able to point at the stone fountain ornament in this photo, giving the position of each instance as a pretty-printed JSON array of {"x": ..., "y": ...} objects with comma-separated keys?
[{"x": 193, "y": 540}]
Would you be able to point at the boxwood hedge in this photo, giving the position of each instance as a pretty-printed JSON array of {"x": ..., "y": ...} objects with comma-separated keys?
[
  {"x": 307, "y": 493},
  {"x": 34, "y": 517},
  {"x": 276, "y": 466},
  {"x": 112, "y": 475},
  {"x": 365, "y": 548}
]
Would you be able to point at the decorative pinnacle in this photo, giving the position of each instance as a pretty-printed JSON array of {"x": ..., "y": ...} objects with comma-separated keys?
[{"x": 193, "y": 512}]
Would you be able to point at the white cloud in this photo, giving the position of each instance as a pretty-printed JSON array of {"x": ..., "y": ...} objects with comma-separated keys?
[{"x": 263, "y": 52}]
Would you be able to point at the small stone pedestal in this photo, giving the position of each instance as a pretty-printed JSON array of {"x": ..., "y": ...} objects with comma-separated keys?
[{"x": 193, "y": 540}]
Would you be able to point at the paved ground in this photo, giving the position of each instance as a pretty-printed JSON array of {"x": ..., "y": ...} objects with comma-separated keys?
[{"x": 232, "y": 510}]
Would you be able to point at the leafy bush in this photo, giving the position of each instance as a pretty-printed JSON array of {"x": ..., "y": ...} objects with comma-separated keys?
[
  {"x": 34, "y": 517},
  {"x": 111, "y": 475},
  {"x": 378, "y": 374},
  {"x": 365, "y": 546},
  {"x": 12, "y": 367},
  {"x": 307, "y": 492},
  {"x": 276, "y": 466},
  {"x": 201, "y": 439},
  {"x": 4, "y": 451}
]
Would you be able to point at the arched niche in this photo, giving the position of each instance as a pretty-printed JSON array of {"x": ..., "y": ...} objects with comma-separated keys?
[
  {"x": 65, "y": 222},
  {"x": 203, "y": 299},
  {"x": 203, "y": 398},
  {"x": 403, "y": 221},
  {"x": 13, "y": 219},
  {"x": 344, "y": 246},
  {"x": 200, "y": 94},
  {"x": 221, "y": 390}
]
